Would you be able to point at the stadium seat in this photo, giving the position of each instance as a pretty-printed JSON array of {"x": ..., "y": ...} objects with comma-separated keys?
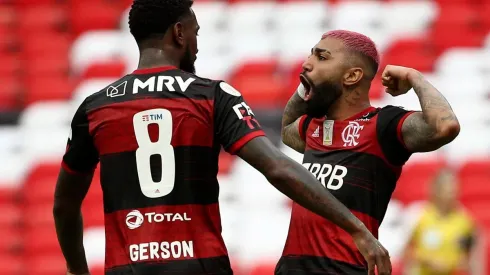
[
  {"x": 12, "y": 264},
  {"x": 48, "y": 88},
  {"x": 469, "y": 144},
  {"x": 11, "y": 95},
  {"x": 266, "y": 268},
  {"x": 86, "y": 88},
  {"x": 211, "y": 17},
  {"x": 11, "y": 215},
  {"x": 10, "y": 66},
  {"x": 46, "y": 114},
  {"x": 41, "y": 238},
  {"x": 37, "y": 46},
  {"x": 8, "y": 194},
  {"x": 46, "y": 265},
  {"x": 51, "y": 65},
  {"x": 95, "y": 46},
  {"x": 97, "y": 270},
  {"x": 408, "y": 18},
  {"x": 42, "y": 18},
  {"x": 415, "y": 180},
  {"x": 474, "y": 175},
  {"x": 40, "y": 212},
  {"x": 256, "y": 16},
  {"x": 317, "y": 12},
  {"x": 291, "y": 50},
  {"x": 114, "y": 68},
  {"x": 368, "y": 15},
  {"x": 466, "y": 61},
  {"x": 94, "y": 15},
  {"x": 410, "y": 52}
]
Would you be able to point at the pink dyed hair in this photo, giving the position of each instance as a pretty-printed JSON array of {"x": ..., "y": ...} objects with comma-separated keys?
[{"x": 355, "y": 42}]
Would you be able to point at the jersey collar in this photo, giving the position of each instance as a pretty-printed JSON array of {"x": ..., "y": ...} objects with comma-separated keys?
[
  {"x": 154, "y": 70},
  {"x": 363, "y": 113}
]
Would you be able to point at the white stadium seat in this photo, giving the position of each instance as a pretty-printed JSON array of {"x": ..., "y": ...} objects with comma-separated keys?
[
  {"x": 402, "y": 18},
  {"x": 301, "y": 16},
  {"x": 252, "y": 46},
  {"x": 87, "y": 88},
  {"x": 355, "y": 15},
  {"x": 46, "y": 114},
  {"x": 296, "y": 46},
  {"x": 252, "y": 17},
  {"x": 463, "y": 61},
  {"x": 472, "y": 142},
  {"x": 39, "y": 143},
  {"x": 95, "y": 46},
  {"x": 211, "y": 16}
]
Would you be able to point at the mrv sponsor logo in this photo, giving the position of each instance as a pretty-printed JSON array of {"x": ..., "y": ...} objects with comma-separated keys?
[{"x": 135, "y": 219}]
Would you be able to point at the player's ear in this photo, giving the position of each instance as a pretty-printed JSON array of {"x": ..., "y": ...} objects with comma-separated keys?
[
  {"x": 178, "y": 33},
  {"x": 353, "y": 76}
]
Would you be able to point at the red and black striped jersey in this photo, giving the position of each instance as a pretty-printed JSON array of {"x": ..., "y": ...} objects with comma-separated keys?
[
  {"x": 359, "y": 160},
  {"x": 157, "y": 134}
]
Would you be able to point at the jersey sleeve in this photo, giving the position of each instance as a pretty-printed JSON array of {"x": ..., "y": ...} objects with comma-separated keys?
[
  {"x": 304, "y": 122},
  {"x": 235, "y": 123},
  {"x": 389, "y": 126},
  {"x": 80, "y": 156}
]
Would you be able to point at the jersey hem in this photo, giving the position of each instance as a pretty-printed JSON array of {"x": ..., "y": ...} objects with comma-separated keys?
[{"x": 244, "y": 140}]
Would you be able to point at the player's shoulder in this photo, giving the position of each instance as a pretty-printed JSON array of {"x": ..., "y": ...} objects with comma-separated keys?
[
  {"x": 389, "y": 112},
  {"x": 115, "y": 89}
]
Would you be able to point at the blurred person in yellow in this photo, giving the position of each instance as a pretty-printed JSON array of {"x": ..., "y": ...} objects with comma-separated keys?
[{"x": 444, "y": 235}]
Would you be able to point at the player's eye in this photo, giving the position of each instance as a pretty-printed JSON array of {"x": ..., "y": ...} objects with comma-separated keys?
[{"x": 321, "y": 57}]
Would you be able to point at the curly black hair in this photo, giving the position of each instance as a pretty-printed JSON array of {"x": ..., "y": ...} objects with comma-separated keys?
[{"x": 152, "y": 18}]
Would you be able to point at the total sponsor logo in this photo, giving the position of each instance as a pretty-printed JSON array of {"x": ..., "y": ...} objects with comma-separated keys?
[{"x": 135, "y": 218}]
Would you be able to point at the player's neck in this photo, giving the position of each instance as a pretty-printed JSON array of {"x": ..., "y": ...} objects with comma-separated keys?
[
  {"x": 346, "y": 107},
  {"x": 154, "y": 58}
]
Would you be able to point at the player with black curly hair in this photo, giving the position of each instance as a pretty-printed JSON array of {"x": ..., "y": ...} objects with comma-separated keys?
[{"x": 157, "y": 134}]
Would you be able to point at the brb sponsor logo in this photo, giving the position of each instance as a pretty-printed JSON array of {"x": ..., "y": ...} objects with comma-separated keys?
[
  {"x": 244, "y": 112},
  {"x": 330, "y": 176},
  {"x": 135, "y": 219}
]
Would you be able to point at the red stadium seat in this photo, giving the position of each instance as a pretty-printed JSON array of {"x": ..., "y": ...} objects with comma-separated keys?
[
  {"x": 41, "y": 240},
  {"x": 12, "y": 265},
  {"x": 474, "y": 177},
  {"x": 263, "y": 269},
  {"x": 114, "y": 69},
  {"x": 9, "y": 44},
  {"x": 93, "y": 213},
  {"x": 39, "y": 213},
  {"x": 11, "y": 240},
  {"x": 86, "y": 16},
  {"x": 9, "y": 195},
  {"x": 30, "y": 3},
  {"x": 292, "y": 80},
  {"x": 11, "y": 216},
  {"x": 52, "y": 45},
  {"x": 414, "y": 53},
  {"x": 97, "y": 270},
  {"x": 46, "y": 264},
  {"x": 42, "y": 18},
  {"x": 415, "y": 181},
  {"x": 225, "y": 163},
  {"x": 41, "y": 190},
  {"x": 12, "y": 93},
  {"x": 48, "y": 88},
  {"x": 43, "y": 170},
  {"x": 10, "y": 65},
  {"x": 55, "y": 65}
]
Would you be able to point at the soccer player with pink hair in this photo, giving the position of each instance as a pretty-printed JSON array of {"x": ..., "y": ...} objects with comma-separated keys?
[{"x": 355, "y": 150}]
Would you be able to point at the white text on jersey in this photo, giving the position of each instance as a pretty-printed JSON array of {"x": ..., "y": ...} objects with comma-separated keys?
[
  {"x": 155, "y": 83},
  {"x": 322, "y": 171},
  {"x": 163, "y": 250}
]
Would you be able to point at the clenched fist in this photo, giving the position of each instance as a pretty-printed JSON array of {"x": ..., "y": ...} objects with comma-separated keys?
[{"x": 397, "y": 79}]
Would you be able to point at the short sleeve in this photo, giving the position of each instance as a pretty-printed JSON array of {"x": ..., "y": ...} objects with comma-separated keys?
[
  {"x": 389, "y": 125},
  {"x": 235, "y": 123},
  {"x": 304, "y": 122},
  {"x": 81, "y": 156}
]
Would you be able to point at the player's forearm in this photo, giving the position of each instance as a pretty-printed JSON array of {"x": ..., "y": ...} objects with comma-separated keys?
[
  {"x": 69, "y": 228},
  {"x": 295, "y": 108},
  {"x": 301, "y": 186},
  {"x": 436, "y": 111}
]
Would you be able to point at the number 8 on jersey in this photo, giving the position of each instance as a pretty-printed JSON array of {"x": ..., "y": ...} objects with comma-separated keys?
[{"x": 147, "y": 148}]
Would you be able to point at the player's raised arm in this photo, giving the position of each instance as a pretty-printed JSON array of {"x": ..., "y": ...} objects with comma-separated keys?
[
  {"x": 239, "y": 132},
  {"x": 436, "y": 125},
  {"x": 73, "y": 183},
  {"x": 291, "y": 118}
]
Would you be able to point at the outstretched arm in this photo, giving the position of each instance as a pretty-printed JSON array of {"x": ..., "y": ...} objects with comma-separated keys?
[
  {"x": 293, "y": 180},
  {"x": 295, "y": 108},
  {"x": 436, "y": 125}
]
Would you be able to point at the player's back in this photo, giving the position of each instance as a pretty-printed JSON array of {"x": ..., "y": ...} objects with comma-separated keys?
[{"x": 158, "y": 134}]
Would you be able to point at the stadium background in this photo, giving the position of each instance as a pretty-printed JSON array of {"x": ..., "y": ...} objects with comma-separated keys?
[{"x": 54, "y": 53}]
